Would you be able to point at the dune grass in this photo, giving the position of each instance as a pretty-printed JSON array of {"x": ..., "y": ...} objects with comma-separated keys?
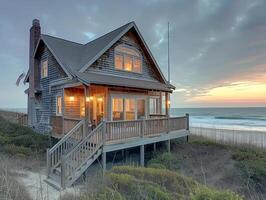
[{"x": 19, "y": 140}]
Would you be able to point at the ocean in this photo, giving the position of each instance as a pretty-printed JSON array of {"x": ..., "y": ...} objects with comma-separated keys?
[{"x": 249, "y": 118}]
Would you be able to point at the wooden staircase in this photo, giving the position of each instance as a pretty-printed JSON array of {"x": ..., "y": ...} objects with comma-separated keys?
[{"x": 73, "y": 154}]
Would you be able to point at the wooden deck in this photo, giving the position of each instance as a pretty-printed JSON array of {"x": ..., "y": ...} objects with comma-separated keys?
[{"x": 77, "y": 150}]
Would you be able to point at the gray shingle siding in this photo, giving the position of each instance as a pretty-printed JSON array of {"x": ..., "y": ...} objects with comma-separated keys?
[
  {"x": 48, "y": 101},
  {"x": 106, "y": 63}
]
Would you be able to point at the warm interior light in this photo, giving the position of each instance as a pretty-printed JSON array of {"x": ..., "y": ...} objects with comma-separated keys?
[
  {"x": 71, "y": 98},
  {"x": 168, "y": 102},
  {"x": 87, "y": 99},
  {"x": 100, "y": 99},
  {"x": 91, "y": 97}
]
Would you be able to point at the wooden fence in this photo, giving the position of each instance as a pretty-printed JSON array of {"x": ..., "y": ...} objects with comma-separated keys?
[{"x": 235, "y": 137}]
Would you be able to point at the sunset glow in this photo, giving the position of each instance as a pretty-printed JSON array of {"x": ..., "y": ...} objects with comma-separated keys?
[{"x": 248, "y": 93}]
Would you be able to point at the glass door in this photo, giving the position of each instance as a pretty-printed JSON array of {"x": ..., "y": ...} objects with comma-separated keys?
[{"x": 128, "y": 108}]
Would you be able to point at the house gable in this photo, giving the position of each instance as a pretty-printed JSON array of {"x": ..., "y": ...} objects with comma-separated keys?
[
  {"x": 105, "y": 64},
  {"x": 132, "y": 29}
]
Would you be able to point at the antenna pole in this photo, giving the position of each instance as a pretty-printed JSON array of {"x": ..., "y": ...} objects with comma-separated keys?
[{"x": 168, "y": 55}]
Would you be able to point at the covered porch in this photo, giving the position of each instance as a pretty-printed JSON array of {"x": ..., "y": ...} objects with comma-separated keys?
[{"x": 94, "y": 103}]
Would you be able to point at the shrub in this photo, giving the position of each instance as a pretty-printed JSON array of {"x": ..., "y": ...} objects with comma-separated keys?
[
  {"x": 16, "y": 150},
  {"x": 133, "y": 188},
  {"x": 172, "y": 181},
  {"x": 205, "y": 193},
  {"x": 252, "y": 163},
  {"x": 16, "y": 139},
  {"x": 168, "y": 160}
]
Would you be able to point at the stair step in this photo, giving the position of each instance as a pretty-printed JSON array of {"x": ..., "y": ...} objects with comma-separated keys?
[{"x": 53, "y": 182}]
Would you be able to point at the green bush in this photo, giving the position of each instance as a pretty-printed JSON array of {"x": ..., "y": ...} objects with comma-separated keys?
[
  {"x": 16, "y": 150},
  {"x": 252, "y": 163},
  {"x": 164, "y": 160},
  {"x": 205, "y": 193},
  {"x": 16, "y": 139},
  {"x": 133, "y": 188},
  {"x": 172, "y": 181}
]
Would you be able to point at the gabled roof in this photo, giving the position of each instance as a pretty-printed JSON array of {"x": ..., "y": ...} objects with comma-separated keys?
[{"x": 75, "y": 58}]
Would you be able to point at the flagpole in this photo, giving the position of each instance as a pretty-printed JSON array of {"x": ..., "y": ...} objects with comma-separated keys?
[{"x": 168, "y": 54}]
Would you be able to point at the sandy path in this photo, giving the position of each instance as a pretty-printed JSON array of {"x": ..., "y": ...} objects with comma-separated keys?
[{"x": 38, "y": 188}]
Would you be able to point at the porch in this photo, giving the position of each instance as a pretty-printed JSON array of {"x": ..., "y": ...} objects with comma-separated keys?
[
  {"x": 77, "y": 150},
  {"x": 97, "y": 102}
]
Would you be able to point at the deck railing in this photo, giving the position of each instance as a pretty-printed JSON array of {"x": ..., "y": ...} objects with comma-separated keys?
[
  {"x": 75, "y": 151},
  {"x": 122, "y": 130},
  {"x": 79, "y": 155},
  {"x": 68, "y": 142}
]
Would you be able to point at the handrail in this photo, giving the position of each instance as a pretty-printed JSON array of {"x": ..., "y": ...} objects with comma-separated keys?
[
  {"x": 68, "y": 142},
  {"x": 66, "y": 136},
  {"x": 74, "y": 159}
]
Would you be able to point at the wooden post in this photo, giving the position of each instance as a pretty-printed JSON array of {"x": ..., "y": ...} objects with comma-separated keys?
[
  {"x": 47, "y": 161},
  {"x": 63, "y": 184},
  {"x": 166, "y": 104},
  {"x": 187, "y": 116},
  {"x": 169, "y": 146},
  {"x": 104, "y": 161},
  {"x": 187, "y": 125},
  {"x": 104, "y": 131},
  {"x": 85, "y": 128},
  {"x": 142, "y": 155},
  {"x": 142, "y": 127},
  {"x": 154, "y": 147}
]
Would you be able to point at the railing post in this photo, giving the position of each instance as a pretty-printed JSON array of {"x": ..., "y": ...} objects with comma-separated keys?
[
  {"x": 84, "y": 128},
  {"x": 168, "y": 124},
  {"x": 63, "y": 184},
  {"x": 48, "y": 161},
  {"x": 142, "y": 127},
  {"x": 104, "y": 131},
  {"x": 187, "y": 116}
]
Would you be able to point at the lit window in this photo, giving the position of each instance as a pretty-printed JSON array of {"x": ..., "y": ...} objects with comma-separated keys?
[
  {"x": 130, "y": 109},
  {"x": 118, "y": 110},
  {"x": 128, "y": 59},
  {"x": 44, "y": 69},
  {"x": 155, "y": 105},
  {"x": 58, "y": 105},
  {"x": 119, "y": 62},
  {"x": 127, "y": 63}
]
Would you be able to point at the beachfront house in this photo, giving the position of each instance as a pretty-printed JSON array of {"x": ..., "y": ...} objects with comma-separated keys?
[{"x": 106, "y": 95}]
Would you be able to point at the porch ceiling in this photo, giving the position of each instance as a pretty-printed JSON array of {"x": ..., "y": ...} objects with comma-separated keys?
[{"x": 98, "y": 78}]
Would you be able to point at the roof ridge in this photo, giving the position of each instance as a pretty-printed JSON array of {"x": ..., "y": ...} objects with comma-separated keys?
[
  {"x": 62, "y": 39},
  {"x": 109, "y": 32}
]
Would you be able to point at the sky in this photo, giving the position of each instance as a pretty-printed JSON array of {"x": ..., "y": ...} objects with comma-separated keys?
[{"x": 217, "y": 47}]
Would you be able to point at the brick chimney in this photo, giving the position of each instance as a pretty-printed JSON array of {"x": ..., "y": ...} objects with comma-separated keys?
[{"x": 35, "y": 32}]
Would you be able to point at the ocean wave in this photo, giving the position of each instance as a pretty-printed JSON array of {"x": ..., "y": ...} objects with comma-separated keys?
[{"x": 260, "y": 118}]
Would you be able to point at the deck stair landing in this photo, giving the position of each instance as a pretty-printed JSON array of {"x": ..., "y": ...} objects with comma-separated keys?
[{"x": 77, "y": 150}]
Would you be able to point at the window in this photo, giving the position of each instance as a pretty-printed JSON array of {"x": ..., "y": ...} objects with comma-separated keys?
[
  {"x": 58, "y": 105},
  {"x": 118, "y": 110},
  {"x": 155, "y": 105},
  {"x": 141, "y": 108},
  {"x": 130, "y": 109},
  {"x": 128, "y": 59},
  {"x": 44, "y": 69}
]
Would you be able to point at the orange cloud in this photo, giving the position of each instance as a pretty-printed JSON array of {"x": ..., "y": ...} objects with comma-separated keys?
[{"x": 249, "y": 93}]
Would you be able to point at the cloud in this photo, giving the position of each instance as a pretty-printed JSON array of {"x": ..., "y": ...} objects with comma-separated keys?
[{"x": 212, "y": 43}]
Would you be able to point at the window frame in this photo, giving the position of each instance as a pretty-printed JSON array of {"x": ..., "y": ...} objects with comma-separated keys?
[
  {"x": 44, "y": 75},
  {"x": 56, "y": 104},
  {"x": 133, "y": 57},
  {"x": 157, "y": 98}
]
